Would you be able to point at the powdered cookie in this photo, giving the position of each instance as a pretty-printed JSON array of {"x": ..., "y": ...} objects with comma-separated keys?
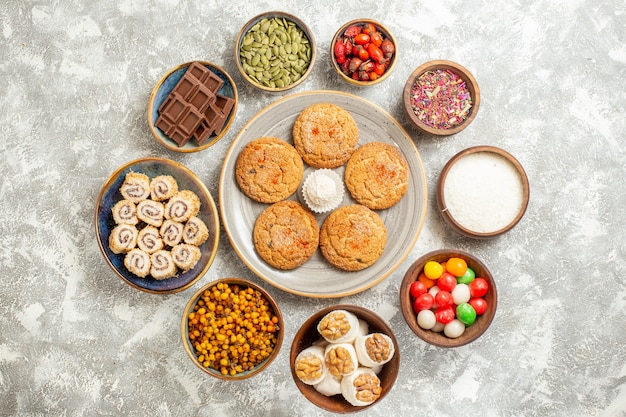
[
  {"x": 353, "y": 237},
  {"x": 377, "y": 175},
  {"x": 325, "y": 135},
  {"x": 286, "y": 234}
]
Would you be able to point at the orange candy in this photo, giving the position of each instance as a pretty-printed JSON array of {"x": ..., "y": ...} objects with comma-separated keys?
[
  {"x": 429, "y": 283},
  {"x": 456, "y": 266}
]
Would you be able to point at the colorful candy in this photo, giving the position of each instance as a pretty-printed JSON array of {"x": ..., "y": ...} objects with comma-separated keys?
[{"x": 448, "y": 297}]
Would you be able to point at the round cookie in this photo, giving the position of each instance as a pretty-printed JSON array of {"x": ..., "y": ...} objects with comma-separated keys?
[
  {"x": 377, "y": 175},
  {"x": 325, "y": 135},
  {"x": 353, "y": 237},
  {"x": 269, "y": 170},
  {"x": 286, "y": 234}
]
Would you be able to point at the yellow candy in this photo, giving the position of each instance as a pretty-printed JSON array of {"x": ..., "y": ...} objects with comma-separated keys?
[{"x": 433, "y": 270}]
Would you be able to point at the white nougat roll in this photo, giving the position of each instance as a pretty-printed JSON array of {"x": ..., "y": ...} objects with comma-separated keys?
[
  {"x": 309, "y": 365},
  {"x": 341, "y": 359},
  {"x": 329, "y": 386},
  {"x": 361, "y": 387},
  {"x": 374, "y": 349},
  {"x": 339, "y": 326}
]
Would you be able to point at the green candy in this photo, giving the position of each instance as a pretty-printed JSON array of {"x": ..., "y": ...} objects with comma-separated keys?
[
  {"x": 466, "y": 314},
  {"x": 467, "y": 277}
]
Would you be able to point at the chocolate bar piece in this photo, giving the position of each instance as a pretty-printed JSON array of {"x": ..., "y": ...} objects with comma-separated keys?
[{"x": 194, "y": 109}]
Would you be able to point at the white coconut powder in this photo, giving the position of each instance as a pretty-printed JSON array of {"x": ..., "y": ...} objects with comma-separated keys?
[{"x": 483, "y": 192}]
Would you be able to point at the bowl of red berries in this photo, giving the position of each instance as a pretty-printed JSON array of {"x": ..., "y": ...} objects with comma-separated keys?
[
  {"x": 363, "y": 52},
  {"x": 448, "y": 298}
]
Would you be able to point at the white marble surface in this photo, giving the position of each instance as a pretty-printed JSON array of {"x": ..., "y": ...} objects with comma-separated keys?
[{"x": 74, "y": 83}]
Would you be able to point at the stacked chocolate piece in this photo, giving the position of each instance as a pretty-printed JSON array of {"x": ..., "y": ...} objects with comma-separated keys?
[{"x": 194, "y": 109}]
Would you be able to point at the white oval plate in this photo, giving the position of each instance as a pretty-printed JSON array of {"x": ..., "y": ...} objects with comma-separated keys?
[{"x": 318, "y": 278}]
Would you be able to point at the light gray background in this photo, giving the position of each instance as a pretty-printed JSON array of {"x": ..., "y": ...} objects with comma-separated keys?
[{"x": 75, "y": 77}]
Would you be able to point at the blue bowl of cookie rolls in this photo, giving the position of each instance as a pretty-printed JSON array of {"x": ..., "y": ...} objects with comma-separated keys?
[{"x": 105, "y": 223}]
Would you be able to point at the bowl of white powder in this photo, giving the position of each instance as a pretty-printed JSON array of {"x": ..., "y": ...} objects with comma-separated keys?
[{"x": 483, "y": 192}]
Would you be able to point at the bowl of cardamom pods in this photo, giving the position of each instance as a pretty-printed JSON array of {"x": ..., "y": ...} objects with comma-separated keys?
[{"x": 275, "y": 51}]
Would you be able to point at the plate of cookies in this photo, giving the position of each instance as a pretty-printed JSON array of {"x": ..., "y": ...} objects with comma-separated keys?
[
  {"x": 323, "y": 194},
  {"x": 157, "y": 225}
]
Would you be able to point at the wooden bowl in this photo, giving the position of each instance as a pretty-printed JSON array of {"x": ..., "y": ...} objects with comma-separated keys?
[
  {"x": 162, "y": 90},
  {"x": 308, "y": 334},
  {"x": 285, "y": 63},
  {"x": 491, "y": 182},
  {"x": 472, "y": 332},
  {"x": 104, "y": 223},
  {"x": 187, "y": 343},
  {"x": 380, "y": 28},
  {"x": 464, "y": 74}
]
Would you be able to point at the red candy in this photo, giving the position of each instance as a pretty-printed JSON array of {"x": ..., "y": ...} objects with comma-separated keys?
[
  {"x": 479, "y": 304},
  {"x": 446, "y": 282},
  {"x": 444, "y": 299},
  {"x": 423, "y": 302},
  {"x": 445, "y": 315},
  {"x": 418, "y": 288},
  {"x": 478, "y": 287}
]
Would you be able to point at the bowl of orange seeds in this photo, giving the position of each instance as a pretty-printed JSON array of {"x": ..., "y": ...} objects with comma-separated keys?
[{"x": 232, "y": 329}]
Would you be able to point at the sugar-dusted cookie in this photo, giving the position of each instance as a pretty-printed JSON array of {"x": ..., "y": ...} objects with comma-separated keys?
[
  {"x": 353, "y": 237},
  {"x": 286, "y": 234},
  {"x": 377, "y": 175},
  {"x": 325, "y": 135},
  {"x": 269, "y": 170}
]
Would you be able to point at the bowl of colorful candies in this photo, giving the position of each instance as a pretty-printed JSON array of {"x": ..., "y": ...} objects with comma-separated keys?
[
  {"x": 275, "y": 51},
  {"x": 441, "y": 98},
  {"x": 363, "y": 52},
  {"x": 232, "y": 329},
  {"x": 448, "y": 298}
]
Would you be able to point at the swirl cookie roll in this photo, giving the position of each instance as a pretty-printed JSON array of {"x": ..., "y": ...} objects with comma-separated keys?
[
  {"x": 182, "y": 206},
  {"x": 137, "y": 262},
  {"x": 185, "y": 256},
  {"x": 151, "y": 212},
  {"x": 149, "y": 240},
  {"x": 163, "y": 265},
  {"x": 136, "y": 187},
  {"x": 163, "y": 187},
  {"x": 172, "y": 232},
  {"x": 123, "y": 238},
  {"x": 195, "y": 231},
  {"x": 125, "y": 212}
]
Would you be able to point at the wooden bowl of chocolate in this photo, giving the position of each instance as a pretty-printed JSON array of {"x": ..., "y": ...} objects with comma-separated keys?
[
  {"x": 441, "y": 98},
  {"x": 232, "y": 329},
  {"x": 448, "y": 298},
  {"x": 344, "y": 358},
  {"x": 275, "y": 51},
  {"x": 482, "y": 192},
  {"x": 192, "y": 106},
  {"x": 157, "y": 225}
]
